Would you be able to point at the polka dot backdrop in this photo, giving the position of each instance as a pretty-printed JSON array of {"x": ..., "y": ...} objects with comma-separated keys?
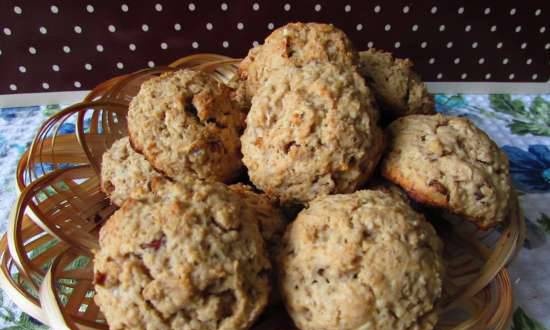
[{"x": 67, "y": 45}]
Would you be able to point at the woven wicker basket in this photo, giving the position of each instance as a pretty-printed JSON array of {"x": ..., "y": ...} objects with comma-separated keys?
[{"x": 46, "y": 254}]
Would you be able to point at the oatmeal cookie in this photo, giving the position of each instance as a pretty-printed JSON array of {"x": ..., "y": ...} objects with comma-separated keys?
[
  {"x": 365, "y": 260},
  {"x": 449, "y": 163}
]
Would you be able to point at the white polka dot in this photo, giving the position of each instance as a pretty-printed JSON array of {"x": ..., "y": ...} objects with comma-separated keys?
[
  {"x": 359, "y": 27},
  {"x": 505, "y": 61},
  {"x": 270, "y": 26},
  {"x": 513, "y": 11},
  {"x": 431, "y": 60},
  {"x": 22, "y": 69},
  {"x": 318, "y": 7},
  {"x": 547, "y": 46},
  {"x": 0, "y": 52},
  {"x": 450, "y": 44},
  {"x": 132, "y": 47},
  {"x": 487, "y": 11},
  {"x": 481, "y": 60},
  {"x": 529, "y": 61},
  {"x": 347, "y": 8},
  {"x": 433, "y": 10},
  {"x": 442, "y": 28},
  {"x": 43, "y": 30},
  {"x": 397, "y": 44},
  {"x": 77, "y": 84},
  {"x": 287, "y": 7},
  {"x": 499, "y": 45},
  {"x": 518, "y": 28},
  {"x": 493, "y": 28},
  {"x": 177, "y": 26},
  {"x": 474, "y": 44},
  {"x": 255, "y": 43},
  {"x": 209, "y": 26},
  {"x": 77, "y": 29},
  {"x": 439, "y": 75},
  {"x": 240, "y": 26},
  {"x": 111, "y": 28},
  {"x": 88, "y": 66},
  {"x": 542, "y": 29},
  {"x": 124, "y": 7},
  {"x": 255, "y": 6},
  {"x": 163, "y": 45},
  {"x": 464, "y": 75},
  {"x": 90, "y": 8},
  {"x": 55, "y": 68},
  {"x": 150, "y": 64},
  {"x": 461, "y": 10},
  {"x": 195, "y": 44},
  {"x": 192, "y": 7},
  {"x": 488, "y": 76},
  {"x": 158, "y": 7},
  {"x": 387, "y": 27},
  {"x": 468, "y": 28},
  {"x": 538, "y": 12},
  {"x": 457, "y": 60},
  {"x": 54, "y": 9},
  {"x": 225, "y": 44},
  {"x": 534, "y": 76},
  {"x": 120, "y": 65},
  {"x": 13, "y": 87},
  {"x": 224, "y": 6},
  {"x": 511, "y": 76},
  {"x": 424, "y": 44},
  {"x": 145, "y": 27},
  {"x": 17, "y": 10},
  {"x": 377, "y": 9},
  {"x": 414, "y": 27},
  {"x": 32, "y": 50},
  {"x": 370, "y": 44},
  {"x": 99, "y": 48},
  {"x": 45, "y": 85},
  {"x": 406, "y": 9},
  {"x": 66, "y": 49},
  {"x": 7, "y": 31},
  {"x": 524, "y": 45}
]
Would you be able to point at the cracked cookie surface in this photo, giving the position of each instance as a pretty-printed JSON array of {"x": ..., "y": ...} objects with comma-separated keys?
[
  {"x": 185, "y": 257},
  {"x": 184, "y": 122},
  {"x": 448, "y": 162},
  {"x": 311, "y": 131},
  {"x": 365, "y": 260}
]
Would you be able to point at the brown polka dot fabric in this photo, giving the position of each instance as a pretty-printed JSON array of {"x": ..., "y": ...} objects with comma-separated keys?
[{"x": 70, "y": 45}]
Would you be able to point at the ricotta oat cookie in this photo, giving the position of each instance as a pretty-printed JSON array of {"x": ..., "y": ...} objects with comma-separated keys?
[
  {"x": 184, "y": 257},
  {"x": 295, "y": 45},
  {"x": 361, "y": 261},
  {"x": 448, "y": 162},
  {"x": 183, "y": 122},
  {"x": 398, "y": 89},
  {"x": 124, "y": 171},
  {"x": 311, "y": 131}
]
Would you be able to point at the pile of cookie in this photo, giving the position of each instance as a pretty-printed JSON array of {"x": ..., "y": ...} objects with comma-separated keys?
[{"x": 261, "y": 192}]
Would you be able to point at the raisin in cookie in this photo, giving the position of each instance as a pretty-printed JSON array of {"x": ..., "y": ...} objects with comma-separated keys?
[
  {"x": 365, "y": 260},
  {"x": 448, "y": 162},
  {"x": 311, "y": 131},
  {"x": 398, "y": 89},
  {"x": 295, "y": 45},
  {"x": 184, "y": 257},
  {"x": 123, "y": 171},
  {"x": 183, "y": 122}
]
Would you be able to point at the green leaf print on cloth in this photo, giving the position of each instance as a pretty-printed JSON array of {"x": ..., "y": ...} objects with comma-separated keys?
[
  {"x": 544, "y": 222},
  {"x": 534, "y": 120},
  {"x": 524, "y": 322},
  {"x": 15, "y": 321}
]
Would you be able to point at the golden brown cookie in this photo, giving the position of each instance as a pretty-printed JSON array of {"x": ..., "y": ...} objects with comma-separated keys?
[
  {"x": 185, "y": 256},
  {"x": 398, "y": 89},
  {"x": 295, "y": 45},
  {"x": 361, "y": 261},
  {"x": 449, "y": 163},
  {"x": 311, "y": 131},
  {"x": 184, "y": 123},
  {"x": 123, "y": 171}
]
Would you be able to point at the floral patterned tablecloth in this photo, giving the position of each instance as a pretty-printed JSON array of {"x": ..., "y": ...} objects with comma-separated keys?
[{"x": 520, "y": 124}]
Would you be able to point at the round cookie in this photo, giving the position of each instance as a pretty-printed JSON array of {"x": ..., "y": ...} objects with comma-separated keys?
[
  {"x": 361, "y": 261},
  {"x": 448, "y": 162},
  {"x": 123, "y": 171},
  {"x": 295, "y": 45},
  {"x": 398, "y": 89},
  {"x": 183, "y": 122},
  {"x": 185, "y": 256},
  {"x": 311, "y": 131}
]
